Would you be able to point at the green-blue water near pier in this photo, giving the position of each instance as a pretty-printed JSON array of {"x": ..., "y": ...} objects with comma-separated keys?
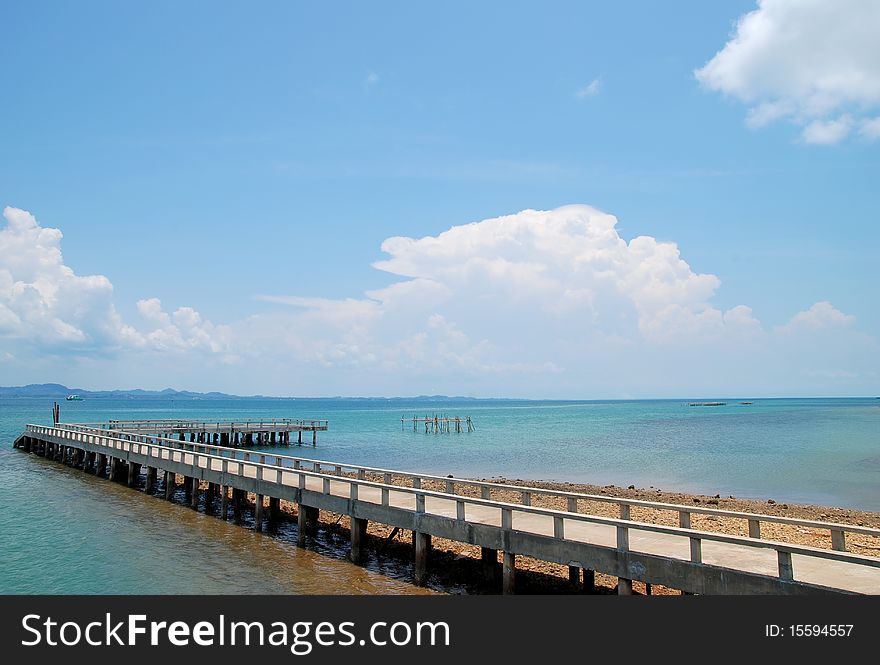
[{"x": 62, "y": 531}]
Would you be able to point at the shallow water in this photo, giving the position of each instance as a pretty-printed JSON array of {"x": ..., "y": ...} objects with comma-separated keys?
[{"x": 63, "y": 531}]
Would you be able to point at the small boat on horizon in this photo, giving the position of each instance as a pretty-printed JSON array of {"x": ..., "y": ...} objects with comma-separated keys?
[{"x": 74, "y": 398}]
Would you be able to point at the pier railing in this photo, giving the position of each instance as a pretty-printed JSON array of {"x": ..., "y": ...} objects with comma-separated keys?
[
  {"x": 241, "y": 463},
  {"x": 213, "y": 425},
  {"x": 837, "y": 531}
]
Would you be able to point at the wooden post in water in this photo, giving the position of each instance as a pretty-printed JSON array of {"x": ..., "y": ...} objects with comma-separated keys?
[
  {"x": 224, "y": 502},
  {"x": 170, "y": 480}
]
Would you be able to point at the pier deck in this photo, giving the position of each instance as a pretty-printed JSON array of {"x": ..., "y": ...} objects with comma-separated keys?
[
  {"x": 269, "y": 431},
  {"x": 678, "y": 557}
]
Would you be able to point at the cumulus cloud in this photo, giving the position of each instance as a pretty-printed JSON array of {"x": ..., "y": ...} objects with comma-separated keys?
[
  {"x": 814, "y": 62},
  {"x": 820, "y": 316},
  {"x": 568, "y": 260},
  {"x": 43, "y": 301},
  {"x": 539, "y": 303}
]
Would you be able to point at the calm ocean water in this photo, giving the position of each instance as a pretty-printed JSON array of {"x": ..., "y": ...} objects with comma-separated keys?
[{"x": 64, "y": 532}]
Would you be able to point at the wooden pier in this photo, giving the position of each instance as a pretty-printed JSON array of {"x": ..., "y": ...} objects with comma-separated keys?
[
  {"x": 681, "y": 557},
  {"x": 233, "y": 433},
  {"x": 440, "y": 424}
]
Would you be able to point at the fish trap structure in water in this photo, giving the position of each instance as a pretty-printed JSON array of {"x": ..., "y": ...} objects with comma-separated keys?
[{"x": 440, "y": 424}]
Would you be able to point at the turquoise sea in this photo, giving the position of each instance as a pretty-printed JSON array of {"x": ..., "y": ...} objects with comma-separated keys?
[{"x": 62, "y": 531}]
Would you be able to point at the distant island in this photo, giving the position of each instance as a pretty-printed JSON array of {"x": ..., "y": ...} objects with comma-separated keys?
[{"x": 59, "y": 391}]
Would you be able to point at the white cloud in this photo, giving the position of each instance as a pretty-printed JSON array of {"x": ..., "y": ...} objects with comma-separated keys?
[
  {"x": 815, "y": 62},
  {"x": 372, "y": 78},
  {"x": 43, "y": 301},
  {"x": 590, "y": 90},
  {"x": 870, "y": 129},
  {"x": 827, "y": 132},
  {"x": 822, "y": 315},
  {"x": 42, "y": 298},
  {"x": 557, "y": 261},
  {"x": 537, "y": 303}
]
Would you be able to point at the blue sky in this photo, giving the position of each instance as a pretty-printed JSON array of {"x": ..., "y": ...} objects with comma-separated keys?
[{"x": 210, "y": 154}]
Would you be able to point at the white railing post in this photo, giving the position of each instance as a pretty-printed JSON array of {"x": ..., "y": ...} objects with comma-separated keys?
[
  {"x": 786, "y": 572},
  {"x": 696, "y": 550}
]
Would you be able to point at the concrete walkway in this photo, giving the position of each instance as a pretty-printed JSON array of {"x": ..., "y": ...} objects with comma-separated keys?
[{"x": 762, "y": 560}]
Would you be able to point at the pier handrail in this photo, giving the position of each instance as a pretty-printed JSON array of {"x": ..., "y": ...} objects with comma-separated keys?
[
  {"x": 783, "y": 550},
  {"x": 173, "y": 423},
  {"x": 837, "y": 530}
]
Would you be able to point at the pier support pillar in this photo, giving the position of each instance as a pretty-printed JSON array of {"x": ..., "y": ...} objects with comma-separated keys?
[
  {"x": 307, "y": 521},
  {"x": 114, "y": 468},
  {"x": 358, "y": 539},
  {"x": 312, "y": 517},
  {"x": 489, "y": 558},
  {"x": 210, "y": 493},
  {"x": 300, "y": 524},
  {"x": 236, "y": 504},
  {"x": 134, "y": 471},
  {"x": 314, "y": 437},
  {"x": 274, "y": 510},
  {"x": 187, "y": 488},
  {"x": 422, "y": 542},
  {"x": 258, "y": 512},
  {"x": 508, "y": 583},
  {"x": 100, "y": 464},
  {"x": 170, "y": 481},
  {"x": 224, "y": 502},
  {"x": 151, "y": 479},
  {"x": 589, "y": 581},
  {"x": 194, "y": 494},
  {"x": 624, "y": 587},
  {"x": 574, "y": 576},
  {"x": 299, "y": 437}
]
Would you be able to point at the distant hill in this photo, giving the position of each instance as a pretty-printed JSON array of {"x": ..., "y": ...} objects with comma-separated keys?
[{"x": 58, "y": 391}]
